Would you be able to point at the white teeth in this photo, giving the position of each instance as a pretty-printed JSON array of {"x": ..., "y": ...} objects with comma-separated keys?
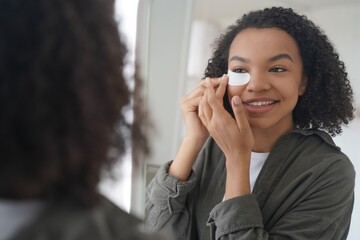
[{"x": 261, "y": 103}]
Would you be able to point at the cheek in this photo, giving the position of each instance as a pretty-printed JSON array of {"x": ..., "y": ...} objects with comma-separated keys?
[
  {"x": 290, "y": 93},
  {"x": 288, "y": 90}
]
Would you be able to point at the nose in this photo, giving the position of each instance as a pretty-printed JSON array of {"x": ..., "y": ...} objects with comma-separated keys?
[{"x": 258, "y": 82}]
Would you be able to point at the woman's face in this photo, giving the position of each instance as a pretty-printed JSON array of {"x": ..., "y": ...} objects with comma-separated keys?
[{"x": 272, "y": 58}]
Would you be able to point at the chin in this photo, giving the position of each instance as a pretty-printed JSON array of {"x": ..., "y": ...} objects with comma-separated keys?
[{"x": 259, "y": 124}]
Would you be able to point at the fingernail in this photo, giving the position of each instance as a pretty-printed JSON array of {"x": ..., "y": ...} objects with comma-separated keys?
[
  {"x": 237, "y": 100},
  {"x": 207, "y": 80}
]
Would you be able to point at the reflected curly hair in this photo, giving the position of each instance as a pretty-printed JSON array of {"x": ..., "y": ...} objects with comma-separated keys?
[
  {"x": 328, "y": 100},
  {"x": 63, "y": 98}
]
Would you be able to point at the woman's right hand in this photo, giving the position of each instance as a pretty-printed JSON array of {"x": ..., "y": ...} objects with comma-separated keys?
[
  {"x": 195, "y": 129},
  {"x": 196, "y": 133}
]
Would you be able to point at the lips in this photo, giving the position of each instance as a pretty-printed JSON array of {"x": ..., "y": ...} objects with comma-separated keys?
[
  {"x": 260, "y": 101},
  {"x": 260, "y": 105}
]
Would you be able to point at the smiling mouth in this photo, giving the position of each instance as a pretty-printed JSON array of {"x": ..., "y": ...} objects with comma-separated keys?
[{"x": 259, "y": 104}]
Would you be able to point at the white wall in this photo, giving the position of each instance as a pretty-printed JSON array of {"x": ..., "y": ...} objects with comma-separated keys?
[{"x": 162, "y": 43}]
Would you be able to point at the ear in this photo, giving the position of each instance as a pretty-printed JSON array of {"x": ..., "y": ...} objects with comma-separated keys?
[{"x": 303, "y": 85}]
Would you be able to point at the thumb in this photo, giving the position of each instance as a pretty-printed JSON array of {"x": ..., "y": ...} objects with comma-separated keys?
[{"x": 239, "y": 113}]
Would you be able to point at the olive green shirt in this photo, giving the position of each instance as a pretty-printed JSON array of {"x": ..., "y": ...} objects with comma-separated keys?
[{"x": 305, "y": 190}]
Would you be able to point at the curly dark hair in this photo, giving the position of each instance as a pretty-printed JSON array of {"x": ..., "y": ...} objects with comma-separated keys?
[
  {"x": 63, "y": 98},
  {"x": 328, "y": 99}
]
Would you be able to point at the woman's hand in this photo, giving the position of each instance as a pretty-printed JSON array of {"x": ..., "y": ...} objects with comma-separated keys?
[
  {"x": 189, "y": 107},
  {"x": 196, "y": 133},
  {"x": 234, "y": 136}
]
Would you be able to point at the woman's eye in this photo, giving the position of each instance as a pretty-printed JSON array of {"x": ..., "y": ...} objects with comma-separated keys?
[
  {"x": 277, "y": 69},
  {"x": 239, "y": 70}
]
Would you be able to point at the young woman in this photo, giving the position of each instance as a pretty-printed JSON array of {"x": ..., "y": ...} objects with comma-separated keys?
[{"x": 269, "y": 169}]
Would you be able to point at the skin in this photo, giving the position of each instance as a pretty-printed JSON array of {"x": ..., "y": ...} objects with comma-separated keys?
[{"x": 272, "y": 58}]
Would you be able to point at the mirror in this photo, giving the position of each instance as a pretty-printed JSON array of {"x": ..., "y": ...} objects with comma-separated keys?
[{"x": 174, "y": 44}]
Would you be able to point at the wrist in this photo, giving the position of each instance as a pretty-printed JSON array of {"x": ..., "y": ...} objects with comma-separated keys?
[
  {"x": 240, "y": 159},
  {"x": 194, "y": 142},
  {"x": 237, "y": 176},
  {"x": 237, "y": 185},
  {"x": 185, "y": 158}
]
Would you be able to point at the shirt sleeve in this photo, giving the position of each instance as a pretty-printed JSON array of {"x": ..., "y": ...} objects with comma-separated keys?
[
  {"x": 233, "y": 216},
  {"x": 165, "y": 198}
]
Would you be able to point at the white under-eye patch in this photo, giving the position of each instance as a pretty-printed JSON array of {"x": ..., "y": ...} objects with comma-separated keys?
[{"x": 238, "y": 79}]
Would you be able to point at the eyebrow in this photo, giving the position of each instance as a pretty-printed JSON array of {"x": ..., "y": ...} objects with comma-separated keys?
[
  {"x": 238, "y": 58},
  {"x": 280, "y": 56},
  {"x": 272, "y": 59}
]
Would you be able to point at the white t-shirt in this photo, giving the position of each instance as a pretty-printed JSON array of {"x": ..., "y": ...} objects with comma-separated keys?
[
  {"x": 256, "y": 163},
  {"x": 17, "y": 214}
]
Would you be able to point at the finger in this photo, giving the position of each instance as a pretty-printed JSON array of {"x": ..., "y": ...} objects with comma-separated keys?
[
  {"x": 240, "y": 116},
  {"x": 211, "y": 97},
  {"x": 193, "y": 97},
  {"x": 215, "y": 82},
  {"x": 206, "y": 109},
  {"x": 201, "y": 111},
  {"x": 188, "y": 104},
  {"x": 220, "y": 91},
  {"x": 198, "y": 91}
]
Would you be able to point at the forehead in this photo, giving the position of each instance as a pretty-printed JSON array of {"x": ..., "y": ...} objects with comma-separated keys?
[{"x": 265, "y": 42}]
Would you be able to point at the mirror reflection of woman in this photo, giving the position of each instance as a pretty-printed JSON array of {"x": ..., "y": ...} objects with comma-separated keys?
[{"x": 258, "y": 161}]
